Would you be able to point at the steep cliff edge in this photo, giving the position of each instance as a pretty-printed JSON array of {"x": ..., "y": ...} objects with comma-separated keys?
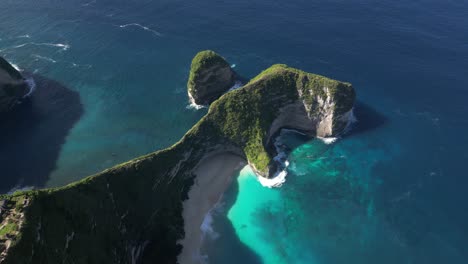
[
  {"x": 132, "y": 213},
  {"x": 12, "y": 87},
  {"x": 210, "y": 77}
]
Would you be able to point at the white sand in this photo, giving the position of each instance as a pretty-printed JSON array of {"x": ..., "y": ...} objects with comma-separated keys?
[{"x": 213, "y": 178}]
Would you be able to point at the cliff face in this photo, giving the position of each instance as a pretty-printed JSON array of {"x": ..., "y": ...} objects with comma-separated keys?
[
  {"x": 281, "y": 97},
  {"x": 12, "y": 86},
  {"x": 210, "y": 77},
  {"x": 132, "y": 213}
]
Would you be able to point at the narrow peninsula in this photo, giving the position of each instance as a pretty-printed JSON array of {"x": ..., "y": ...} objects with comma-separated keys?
[{"x": 134, "y": 212}]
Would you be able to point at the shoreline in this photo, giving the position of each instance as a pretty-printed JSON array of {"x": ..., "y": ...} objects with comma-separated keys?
[{"x": 213, "y": 177}]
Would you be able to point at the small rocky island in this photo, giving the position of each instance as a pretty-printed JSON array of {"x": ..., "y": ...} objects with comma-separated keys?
[
  {"x": 13, "y": 87},
  {"x": 137, "y": 212},
  {"x": 210, "y": 77}
]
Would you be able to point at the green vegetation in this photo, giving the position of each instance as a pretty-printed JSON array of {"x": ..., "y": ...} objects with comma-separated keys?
[
  {"x": 203, "y": 60},
  {"x": 137, "y": 206},
  {"x": 9, "y": 228}
]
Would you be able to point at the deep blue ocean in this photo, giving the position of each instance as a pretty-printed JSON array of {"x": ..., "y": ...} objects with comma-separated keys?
[{"x": 393, "y": 190}]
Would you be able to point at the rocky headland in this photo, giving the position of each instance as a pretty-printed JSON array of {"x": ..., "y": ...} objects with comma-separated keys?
[
  {"x": 149, "y": 210},
  {"x": 210, "y": 77}
]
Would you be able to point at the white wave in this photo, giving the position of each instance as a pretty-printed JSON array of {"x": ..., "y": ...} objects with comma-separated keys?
[
  {"x": 277, "y": 181},
  {"x": 24, "y": 36},
  {"x": 32, "y": 86},
  {"x": 44, "y": 58},
  {"x": 351, "y": 120},
  {"x": 195, "y": 106},
  {"x": 142, "y": 27},
  {"x": 237, "y": 85},
  {"x": 233, "y": 65},
  {"x": 281, "y": 160},
  {"x": 328, "y": 140},
  {"x": 89, "y": 3},
  {"x": 75, "y": 65},
  {"x": 64, "y": 47},
  {"x": 16, "y": 67}
]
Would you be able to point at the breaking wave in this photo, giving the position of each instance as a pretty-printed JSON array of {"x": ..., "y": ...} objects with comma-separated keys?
[
  {"x": 195, "y": 106},
  {"x": 328, "y": 140},
  {"x": 282, "y": 162}
]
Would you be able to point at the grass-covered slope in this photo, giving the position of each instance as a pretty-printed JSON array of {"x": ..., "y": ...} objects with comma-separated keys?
[
  {"x": 245, "y": 115},
  {"x": 132, "y": 213}
]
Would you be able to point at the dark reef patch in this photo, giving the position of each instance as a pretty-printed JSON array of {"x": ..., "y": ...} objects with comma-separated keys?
[{"x": 31, "y": 136}]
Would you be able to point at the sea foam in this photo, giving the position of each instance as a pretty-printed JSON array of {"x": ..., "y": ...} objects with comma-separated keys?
[
  {"x": 281, "y": 160},
  {"x": 195, "y": 106},
  {"x": 328, "y": 140}
]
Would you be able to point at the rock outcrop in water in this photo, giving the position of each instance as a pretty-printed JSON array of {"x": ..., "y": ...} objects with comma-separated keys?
[
  {"x": 12, "y": 87},
  {"x": 210, "y": 77},
  {"x": 132, "y": 213}
]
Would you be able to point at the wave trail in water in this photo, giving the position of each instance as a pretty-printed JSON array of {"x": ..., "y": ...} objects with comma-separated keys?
[
  {"x": 142, "y": 27},
  {"x": 39, "y": 57},
  {"x": 62, "y": 46},
  {"x": 281, "y": 160}
]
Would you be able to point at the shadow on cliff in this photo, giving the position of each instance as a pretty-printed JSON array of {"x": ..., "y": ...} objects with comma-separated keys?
[
  {"x": 368, "y": 119},
  {"x": 31, "y": 137},
  {"x": 227, "y": 248}
]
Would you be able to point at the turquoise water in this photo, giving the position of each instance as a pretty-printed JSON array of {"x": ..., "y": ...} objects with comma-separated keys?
[{"x": 390, "y": 191}]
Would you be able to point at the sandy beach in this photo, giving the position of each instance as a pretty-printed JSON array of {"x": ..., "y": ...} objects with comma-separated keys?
[{"x": 214, "y": 175}]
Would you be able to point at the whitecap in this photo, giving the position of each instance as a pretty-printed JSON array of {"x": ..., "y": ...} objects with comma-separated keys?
[
  {"x": 24, "y": 36},
  {"x": 233, "y": 65},
  {"x": 281, "y": 160},
  {"x": 328, "y": 140},
  {"x": 277, "y": 181},
  {"x": 142, "y": 27},
  {"x": 16, "y": 67}
]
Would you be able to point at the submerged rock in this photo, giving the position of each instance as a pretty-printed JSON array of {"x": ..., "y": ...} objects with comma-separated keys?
[
  {"x": 13, "y": 86},
  {"x": 210, "y": 77}
]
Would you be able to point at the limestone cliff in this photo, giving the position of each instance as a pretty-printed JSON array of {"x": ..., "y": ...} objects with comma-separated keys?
[
  {"x": 132, "y": 213},
  {"x": 210, "y": 77},
  {"x": 12, "y": 86}
]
